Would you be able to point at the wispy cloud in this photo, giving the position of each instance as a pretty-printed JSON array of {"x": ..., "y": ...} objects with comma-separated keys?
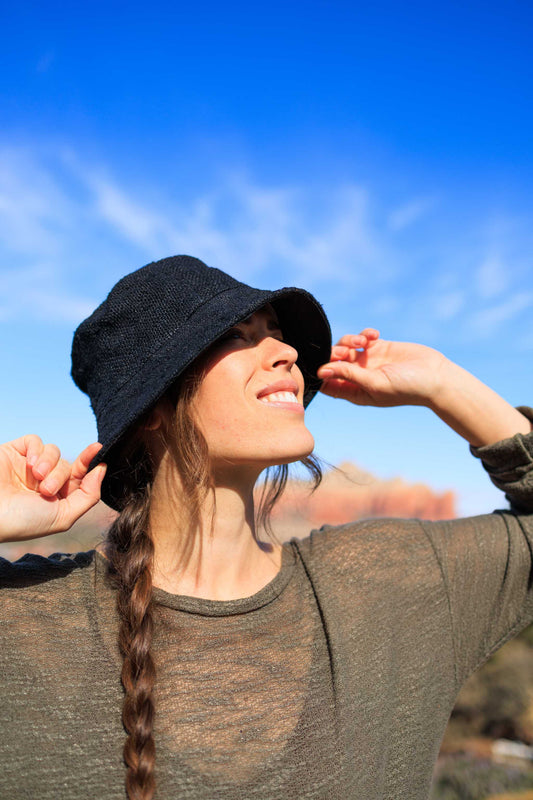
[
  {"x": 491, "y": 277},
  {"x": 54, "y": 210},
  {"x": 487, "y": 321},
  {"x": 35, "y": 211},
  {"x": 409, "y": 213},
  {"x": 63, "y": 221},
  {"x": 35, "y": 293},
  {"x": 450, "y": 304},
  {"x": 250, "y": 228}
]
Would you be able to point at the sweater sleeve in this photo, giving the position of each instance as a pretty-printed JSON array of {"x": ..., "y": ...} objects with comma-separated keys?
[{"x": 487, "y": 561}]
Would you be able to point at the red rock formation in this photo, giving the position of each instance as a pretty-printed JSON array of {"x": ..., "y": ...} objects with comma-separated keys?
[{"x": 347, "y": 494}]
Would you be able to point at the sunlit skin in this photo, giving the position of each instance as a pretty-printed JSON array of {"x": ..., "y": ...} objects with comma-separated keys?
[
  {"x": 41, "y": 493},
  {"x": 247, "y": 423},
  {"x": 248, "y": 426}
]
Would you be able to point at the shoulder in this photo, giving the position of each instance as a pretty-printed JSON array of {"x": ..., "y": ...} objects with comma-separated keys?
[
  {"x": 35, "y": 577},
  {"x": 48, "y": 621},
  {"x": 370, "y": 535},
  {"x": 384, "y": 569},
  {"x": 375, "y": 545}
]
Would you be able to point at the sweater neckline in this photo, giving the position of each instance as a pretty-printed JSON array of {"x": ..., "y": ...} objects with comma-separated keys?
[{"x": 222, "y": 608}]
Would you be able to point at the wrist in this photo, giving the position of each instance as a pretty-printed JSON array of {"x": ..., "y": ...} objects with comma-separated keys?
[
  {"x": 474, "y": 410},
  {"x": 446, "y": 380}
]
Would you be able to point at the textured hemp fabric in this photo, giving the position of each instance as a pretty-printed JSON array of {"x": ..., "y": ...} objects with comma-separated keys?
[{"x": 335, "y": 681}]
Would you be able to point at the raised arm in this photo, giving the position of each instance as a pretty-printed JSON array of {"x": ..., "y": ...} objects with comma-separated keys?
[
  {"x": 485, "y": 561},
  {"x": 42, "y": 493},
  {"x": 367, "y": 370}
]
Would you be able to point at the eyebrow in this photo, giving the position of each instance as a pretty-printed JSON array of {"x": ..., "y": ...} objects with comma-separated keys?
[{"x": 272, "y": 322}]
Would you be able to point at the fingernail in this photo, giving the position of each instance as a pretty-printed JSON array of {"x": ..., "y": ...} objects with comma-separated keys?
[
  {"x": 50, "y": 486},
  {"x": 100, "y": 470},
  {"x": 42, "y": 469},
  {"x": 31, "y": 460},
  {"x": 325, "y": 373}
]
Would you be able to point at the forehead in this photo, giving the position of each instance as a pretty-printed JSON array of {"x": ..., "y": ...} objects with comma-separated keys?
[{"x": 266, "y": 312}]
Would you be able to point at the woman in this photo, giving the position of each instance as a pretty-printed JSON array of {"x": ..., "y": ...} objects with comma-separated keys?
[{"x": 323, "y": 668}]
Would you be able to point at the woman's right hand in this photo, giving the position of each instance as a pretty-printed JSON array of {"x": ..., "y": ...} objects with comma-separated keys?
[{"x": 42, "y": 493}]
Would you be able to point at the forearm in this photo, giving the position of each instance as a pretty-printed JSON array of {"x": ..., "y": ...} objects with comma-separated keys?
[{"x": 473, "y": 410}]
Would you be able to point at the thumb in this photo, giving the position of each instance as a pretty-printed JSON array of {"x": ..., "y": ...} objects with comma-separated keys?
[
  {"x": 83, "y": 498},
  {"x": 92, "y": 482}
]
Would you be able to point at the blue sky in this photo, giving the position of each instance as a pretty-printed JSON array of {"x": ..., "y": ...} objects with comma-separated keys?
[{"x": 377, "y": 154}]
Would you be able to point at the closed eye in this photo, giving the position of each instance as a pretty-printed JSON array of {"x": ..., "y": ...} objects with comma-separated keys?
[
  {"x": 237, "y": 333},
  {"x": 234, "y": 333}
]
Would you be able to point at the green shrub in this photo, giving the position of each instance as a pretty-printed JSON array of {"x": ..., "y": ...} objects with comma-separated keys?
[{"x": 467, "y": 778}]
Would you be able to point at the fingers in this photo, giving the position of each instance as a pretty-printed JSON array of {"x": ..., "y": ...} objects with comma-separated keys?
[
  {"x": 92, "y": 482},
  {"x": 55, "y": 478},
  {"x": 69, "y": 508},
  {"x": 83, "y": 498},
  {"x": 81, "y": 465},
  {"x": 32, "y": 447},
  {"x": 350, "y": 348},
  {"x": 49, "y": 473},
  {"x": 43, "y": 459},
  {"x": 49, "y": 495},
  {"x": 339, "y": 369},
  {"x": 335, "y": 387},
  {"x": 370, "y": 333},
  {"x": 66, "y": 477},
  {"x": 359, "y": 340},
  {"x": 79, "y": 469},
  {"x": 350, "y": 345},
  {"x": 75, "y": 498}
]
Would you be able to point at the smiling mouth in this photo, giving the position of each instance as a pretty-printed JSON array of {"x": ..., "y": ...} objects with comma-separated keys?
[{"x": 280, "y": 397}]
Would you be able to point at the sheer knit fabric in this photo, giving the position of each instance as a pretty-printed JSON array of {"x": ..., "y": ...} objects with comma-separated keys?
[{"x": 334, "y": 682}]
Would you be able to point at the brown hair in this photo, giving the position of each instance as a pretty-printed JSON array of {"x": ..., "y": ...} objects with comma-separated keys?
[{"x": 130, "y": 550}]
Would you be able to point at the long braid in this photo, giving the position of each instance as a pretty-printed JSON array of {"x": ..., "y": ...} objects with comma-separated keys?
[
  {"x": 131, "y": 552},
  {"x": 130, "y": 549}
]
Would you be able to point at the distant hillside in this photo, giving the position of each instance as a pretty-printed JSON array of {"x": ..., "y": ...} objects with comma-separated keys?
[
  {"x": 346, "y": 493},
  {"x": 84, "y": 535}
]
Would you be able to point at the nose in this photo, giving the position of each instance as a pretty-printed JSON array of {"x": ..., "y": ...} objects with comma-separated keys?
[{"x": 277, "y": 353}]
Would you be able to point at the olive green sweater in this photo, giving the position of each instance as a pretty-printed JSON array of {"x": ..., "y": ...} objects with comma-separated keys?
[{"x": 335, "y": 681}]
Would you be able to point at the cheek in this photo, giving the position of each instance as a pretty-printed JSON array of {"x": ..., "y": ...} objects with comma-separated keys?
[{"x": 218, "y": 406}]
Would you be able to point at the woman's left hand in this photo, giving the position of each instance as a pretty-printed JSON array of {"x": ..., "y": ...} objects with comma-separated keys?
[{"x": 367, "y": 370}]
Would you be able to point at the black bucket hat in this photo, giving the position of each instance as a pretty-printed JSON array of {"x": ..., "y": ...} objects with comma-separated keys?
[{"x": 155, "y": 322}]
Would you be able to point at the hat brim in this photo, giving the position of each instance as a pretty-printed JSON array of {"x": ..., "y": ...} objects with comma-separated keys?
[{"x": 304, "y": 325}]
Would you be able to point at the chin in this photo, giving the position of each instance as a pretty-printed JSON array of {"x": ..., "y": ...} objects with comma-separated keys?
[{"x": 297, "y": 453}]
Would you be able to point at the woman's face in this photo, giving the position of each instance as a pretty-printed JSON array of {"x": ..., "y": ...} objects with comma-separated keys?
[{"x": 249, "y": 404}]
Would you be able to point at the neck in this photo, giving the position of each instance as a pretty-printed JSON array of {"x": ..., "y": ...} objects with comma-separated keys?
[{"x": 218, "y": 556}]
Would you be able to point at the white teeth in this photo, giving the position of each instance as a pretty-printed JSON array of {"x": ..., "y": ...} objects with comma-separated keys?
[{"x": 279, "y": 397}]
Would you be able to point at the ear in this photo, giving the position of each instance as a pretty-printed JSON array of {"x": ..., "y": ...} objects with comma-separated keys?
[
  {"x": 154, "y": 421},
  {"x": 160, "y": 415}
]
